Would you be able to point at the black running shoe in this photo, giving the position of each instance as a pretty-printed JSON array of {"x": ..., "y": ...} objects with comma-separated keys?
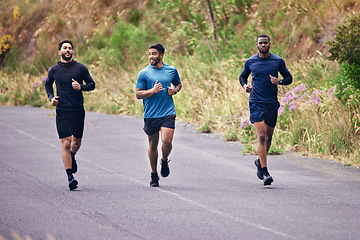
[
  {"x": 154, "y": 180},
  {"x": 165, "y": 171},
  {"x": 73, "y": 183},
  {"x": 259, "y": 170},
  {"x": 267, "y": 179},
  {"x": 74, "y": 165}
]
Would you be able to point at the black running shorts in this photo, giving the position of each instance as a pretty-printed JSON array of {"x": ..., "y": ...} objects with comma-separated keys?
[
  {"x": 267, "y": 112},
  {"x": 70, "y": 123},
  {"x": 153, "y": 125}
]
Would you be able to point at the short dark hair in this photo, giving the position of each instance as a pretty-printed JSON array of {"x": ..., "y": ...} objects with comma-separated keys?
[
  {"x": 158, "y": 47},
  {"x": 263, "y": 36},
  {"x": 65, "y": 41}
]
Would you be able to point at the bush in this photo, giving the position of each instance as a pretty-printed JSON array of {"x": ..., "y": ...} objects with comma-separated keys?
[
  {"x": 5, "y": 45},
  {"x": 345, "y": 49},
  {"x": 130, "y": 42}
]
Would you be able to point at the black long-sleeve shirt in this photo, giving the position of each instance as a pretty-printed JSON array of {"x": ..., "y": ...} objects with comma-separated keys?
[
  {"x": 62, "y": 73},
  {"x": 261, "y": 69}
]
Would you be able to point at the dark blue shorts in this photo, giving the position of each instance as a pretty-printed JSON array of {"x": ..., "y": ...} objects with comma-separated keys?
[
  {"x": 153, "y": 125},
  {"x": 70, "y": 123},
  {"x": 267, "y": 112}
]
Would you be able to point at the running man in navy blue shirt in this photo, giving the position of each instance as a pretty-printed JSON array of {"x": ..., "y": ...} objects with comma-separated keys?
[
  {"x": 69, "y": 76},
  {"x": 156, "y": 85},
  {"x": 263, "y": 103}
]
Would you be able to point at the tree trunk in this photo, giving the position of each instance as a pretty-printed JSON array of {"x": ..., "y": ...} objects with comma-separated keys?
[{"x": 212, "y": 20}]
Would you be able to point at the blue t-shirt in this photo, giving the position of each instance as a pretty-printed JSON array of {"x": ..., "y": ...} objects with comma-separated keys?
[
  {"x": 160, "y": 104},
  {"x": 261, "y": 69}
]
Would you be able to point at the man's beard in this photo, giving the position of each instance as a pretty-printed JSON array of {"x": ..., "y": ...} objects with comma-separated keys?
[
  {"x": 65, "y": 57},
  {"x": 156, "y": 61},
  {"x": 263, "y": 51}
]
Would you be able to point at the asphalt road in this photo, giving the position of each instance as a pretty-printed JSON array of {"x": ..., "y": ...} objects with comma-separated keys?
[{"x": 211, "y": 193}]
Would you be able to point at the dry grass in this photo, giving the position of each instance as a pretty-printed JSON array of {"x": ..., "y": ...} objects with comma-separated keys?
[{"x": 211, "y": 96}]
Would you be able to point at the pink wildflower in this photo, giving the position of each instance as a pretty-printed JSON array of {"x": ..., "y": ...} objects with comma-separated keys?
[
  {"x": 281, "y": 110},
  {"x": 293, "y": 107},
  {"x": 245, "y": 123},
  {"x": 285, "y": 99},
  {"x": 317, "y": 101}
]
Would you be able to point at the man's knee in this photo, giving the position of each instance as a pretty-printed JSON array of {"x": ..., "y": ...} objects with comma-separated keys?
[
  {"x": 153, "y": 147},
  {"x": 66, "y": 144},
  {"x": 262, "y": 138},
  {"x": 166, "y": 141},
  {"x": 76, "y": 142}
]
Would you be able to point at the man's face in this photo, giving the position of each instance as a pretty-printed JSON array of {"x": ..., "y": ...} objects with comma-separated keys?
[
  {"x": 154, "y": 56},
  {"x": 66, "y": 51},
  {"x": 263, "y": 44}
]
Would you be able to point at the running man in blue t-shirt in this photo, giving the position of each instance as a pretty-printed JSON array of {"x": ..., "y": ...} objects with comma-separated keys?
[
  {"x": 263, "y": 103},
  {"x": 156, "y": 84}
]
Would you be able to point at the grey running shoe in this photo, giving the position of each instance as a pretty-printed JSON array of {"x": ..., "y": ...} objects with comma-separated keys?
[
  {"x": 165, "y": 171},
  {"x": 267, "y": 179},
  {"x": 259, "y": 170},
  {"x": 73, "y": 183},
  {"x": 154, "y": 180}
]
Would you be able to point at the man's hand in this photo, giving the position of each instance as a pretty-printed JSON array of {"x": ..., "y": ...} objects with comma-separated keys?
[
  {"x": 55, "y": 101},
  {"x": 157, "y": 87},
  {"x": 75, "y": 85},
  {"x": 171, "y": 91},
  {"x": 247, "y": 88},
  {"x": 274, "y": 80}
]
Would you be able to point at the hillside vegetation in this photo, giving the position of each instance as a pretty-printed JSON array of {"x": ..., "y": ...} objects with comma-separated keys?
[{"x": 111, "y": 37}]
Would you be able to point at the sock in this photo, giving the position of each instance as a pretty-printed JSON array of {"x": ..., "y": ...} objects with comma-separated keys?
[
  {"x": 69, "y": 173},
  {"x": 72, "y": 155}
]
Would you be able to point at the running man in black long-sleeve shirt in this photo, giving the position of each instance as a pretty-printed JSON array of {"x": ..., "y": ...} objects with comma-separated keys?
[
  {"x": 69, "y": 76},
  {"x": 263, "y": 103}
]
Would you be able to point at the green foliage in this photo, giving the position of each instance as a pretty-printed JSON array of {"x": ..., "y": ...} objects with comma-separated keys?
[
  {"x": 6, "y": 43},
  {"x": 126, "y": 46},
  {"x": 30, "y": 93},
  {"x": 11, "y": 62},
  {"x": 249, "y": 149},
  {"x": 347, "y": 89},
  {"x": 130, "y": 42},
  {"x": 345, "y": 49},
  {"x": 231, "y": 135},
  {"x": 248, "y": 133},
  {"x": 206, "y": 127},
  {"x": 311, "y": 120},
  {"x": 134, "y": 16}
]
